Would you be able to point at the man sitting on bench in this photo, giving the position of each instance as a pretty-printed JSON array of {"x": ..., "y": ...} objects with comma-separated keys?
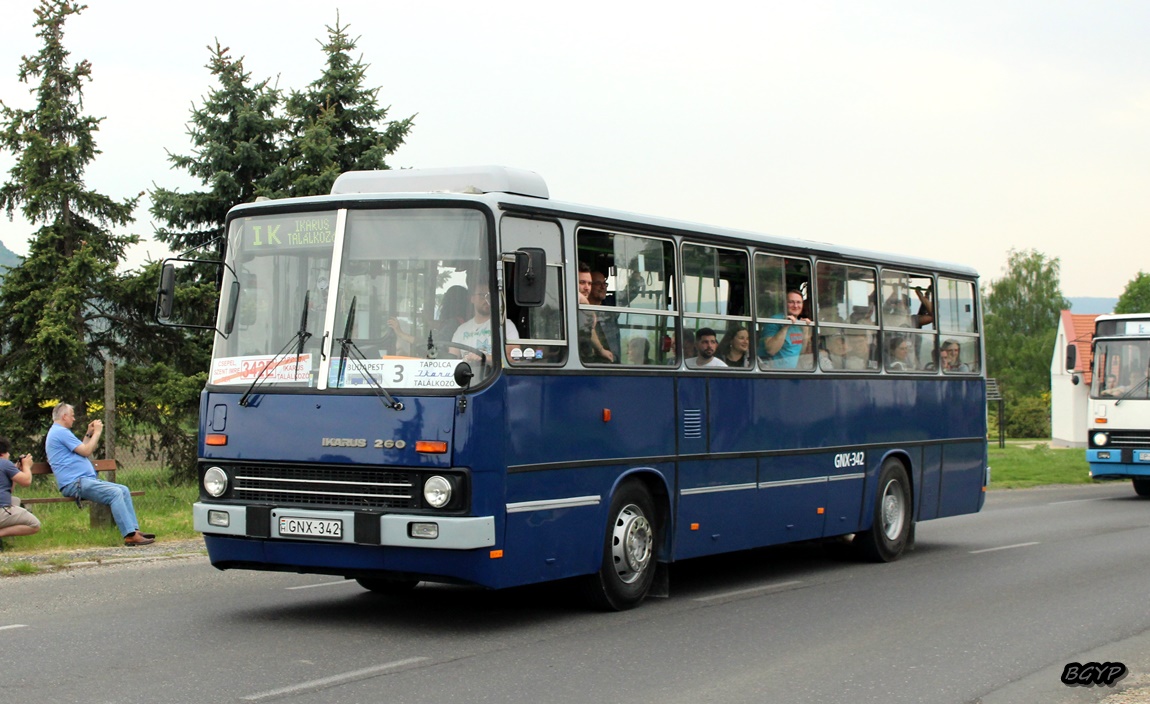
[{"x": 77, "y": 479}]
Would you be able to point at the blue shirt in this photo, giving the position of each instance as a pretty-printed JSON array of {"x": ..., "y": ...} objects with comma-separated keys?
[
  {"x": 68, "y": 466},
  {"x": 7, "y": 471},
  {"x": 788, "y": 355}
]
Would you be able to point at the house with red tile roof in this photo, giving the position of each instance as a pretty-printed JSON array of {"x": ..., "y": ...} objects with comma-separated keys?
[{"x": 1070, "y": 374}]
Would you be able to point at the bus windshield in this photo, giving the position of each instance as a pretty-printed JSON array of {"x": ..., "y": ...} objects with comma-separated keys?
[
  {"x": 354, "y": 299},
  {"x": 1121, "y": 369}
]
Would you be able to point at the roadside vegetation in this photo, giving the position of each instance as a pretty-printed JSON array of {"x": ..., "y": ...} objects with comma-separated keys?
[{"x": 1030, "y": 463}]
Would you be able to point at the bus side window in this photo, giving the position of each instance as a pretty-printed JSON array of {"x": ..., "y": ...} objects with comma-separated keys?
[{"x": 541, "y": 329}]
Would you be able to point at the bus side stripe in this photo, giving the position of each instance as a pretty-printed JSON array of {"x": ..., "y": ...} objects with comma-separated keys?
[{"x": 552, "y": 504}]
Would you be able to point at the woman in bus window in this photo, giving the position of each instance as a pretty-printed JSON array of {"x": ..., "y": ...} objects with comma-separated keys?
[
  {"x": 735, "y": 348},
  {"x": 951, "y": 358},
  {"x": 899, "y": 354}
]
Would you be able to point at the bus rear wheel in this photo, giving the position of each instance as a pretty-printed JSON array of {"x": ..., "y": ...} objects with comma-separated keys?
[
  {"x": 628, "y": 567},
  {"x": 387, "y": 587},
  {"x": 890, "y": 531},
  {"x": 1141, "y": 486}
]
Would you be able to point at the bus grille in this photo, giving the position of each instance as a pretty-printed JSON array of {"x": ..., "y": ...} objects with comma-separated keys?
[
  {"x": 1129, "y": 438},
  {"x": 326, "y": 486}
]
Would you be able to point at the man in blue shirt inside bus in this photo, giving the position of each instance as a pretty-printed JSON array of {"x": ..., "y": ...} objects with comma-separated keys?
[
  {"x": 77, "y": 479},
  {"x": 783, "y": 344}
]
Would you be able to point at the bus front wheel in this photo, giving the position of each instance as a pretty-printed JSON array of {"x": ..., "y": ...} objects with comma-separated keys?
[
  {"x": 1141, "y": 486},
  {"x": 629, "y": 546},
  {"x": 890, "y": 530}
]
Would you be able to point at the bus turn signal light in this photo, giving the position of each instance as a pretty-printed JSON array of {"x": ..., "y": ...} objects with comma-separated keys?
[
  {"x": 431, "y": 447},
  {"x": 215, "y": 439}
]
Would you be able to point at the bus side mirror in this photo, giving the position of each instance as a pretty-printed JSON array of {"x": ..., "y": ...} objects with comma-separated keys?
[
  {"x": 167, "y": 292},
  {"x": 463, "y": 375},
  {"x": 233, "y": 299},
  {"x": 1071, "y": 357},
  {"x": 182, "y": 283},
  {"x": 530, "y": 277}
]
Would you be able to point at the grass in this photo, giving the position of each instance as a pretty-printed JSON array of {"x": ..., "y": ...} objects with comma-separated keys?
[
  {"x": 166, "y": 509},
  {"x": 1030, "y": 463}
]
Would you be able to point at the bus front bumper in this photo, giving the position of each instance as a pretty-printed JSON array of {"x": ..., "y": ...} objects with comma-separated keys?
[{"x": 347, "y": 527}]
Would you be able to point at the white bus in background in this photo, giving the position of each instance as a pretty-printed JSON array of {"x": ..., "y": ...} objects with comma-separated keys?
[{"x": 1118, "y": 430}]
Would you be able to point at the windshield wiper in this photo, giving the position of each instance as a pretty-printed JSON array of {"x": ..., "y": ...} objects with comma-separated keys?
[
  {"x": 346, "y": 345},
  {"x": 300, "y": 338}
]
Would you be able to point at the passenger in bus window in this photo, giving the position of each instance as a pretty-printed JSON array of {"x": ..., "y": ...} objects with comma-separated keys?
[
  {"x": 783, "y": 344},
  {"x": 607, "y": 324},
  {"x": 476, "y": 333},
  {"x": 591, "y": 347},
  {"x": 833, "y": 354},
  {"x": 452, "y": 313},
  {"x": 638, "y": 351},
  {"x": 899, "y": 357},
  {"x": 952, "y": 357},
  {"x": 735, "y": 347},
  {"x": 896, "y": 310},
  {"x": 859, "y": 351},
  {"x": 706, "y": 344},
  {"x": 688, "y": 348}
]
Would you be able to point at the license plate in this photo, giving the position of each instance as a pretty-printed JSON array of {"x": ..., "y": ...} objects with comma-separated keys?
[
  {"x": 311, "y": 527},
  {"x": 1144, "y": 456}
]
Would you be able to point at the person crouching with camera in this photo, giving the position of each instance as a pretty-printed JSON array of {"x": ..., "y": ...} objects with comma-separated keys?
[{"x": 14, "y": 520}]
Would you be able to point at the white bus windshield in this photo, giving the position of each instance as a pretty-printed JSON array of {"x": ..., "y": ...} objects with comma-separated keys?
[
  {"x": 386, "y": 309},
  {"x": 1120, "y": 369}
]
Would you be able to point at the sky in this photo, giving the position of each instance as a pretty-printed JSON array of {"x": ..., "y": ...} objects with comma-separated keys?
[{"x": 952, "y": 131}]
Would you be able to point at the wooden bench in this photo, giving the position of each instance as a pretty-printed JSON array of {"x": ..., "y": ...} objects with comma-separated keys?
[{"x": 99, "y": 514}]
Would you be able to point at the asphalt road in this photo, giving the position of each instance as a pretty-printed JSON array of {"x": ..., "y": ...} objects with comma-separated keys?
[{"x": 988, "y": 608}]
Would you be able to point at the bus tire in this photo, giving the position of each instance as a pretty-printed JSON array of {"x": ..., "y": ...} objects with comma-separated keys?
[
  {"x": 628, "y": 567},
  {"x": 387, "y": 587},
  {"x": 891, "y": 529},
  {"x": 1141, "y": 486}
]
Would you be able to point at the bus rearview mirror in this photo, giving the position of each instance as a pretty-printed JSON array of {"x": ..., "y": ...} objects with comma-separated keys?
[{"x": 530, "y": 277}]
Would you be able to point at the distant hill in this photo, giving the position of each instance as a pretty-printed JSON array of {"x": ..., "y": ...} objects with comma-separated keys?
[
  {"x": 1087, "y": 306},
  {"x": 8, "y": 258}
]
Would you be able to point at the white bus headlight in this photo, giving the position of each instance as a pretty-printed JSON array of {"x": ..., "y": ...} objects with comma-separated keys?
[
  {"x": 1100, "y": 439},
  {"x": 215, "y": 482},
  {"x": 437, "y": 491}
]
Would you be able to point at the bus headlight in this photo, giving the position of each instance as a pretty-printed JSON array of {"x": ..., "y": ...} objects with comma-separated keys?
[
  {"x": 437, "y": 491},
  {"x": 215, "y": 482},
  {"x": 1100, "y": 439}
]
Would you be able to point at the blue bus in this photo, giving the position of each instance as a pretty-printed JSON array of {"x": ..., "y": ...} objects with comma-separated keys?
[
  {"x": 1118, "y": 419},
  {"x": 443, "y": 375}
]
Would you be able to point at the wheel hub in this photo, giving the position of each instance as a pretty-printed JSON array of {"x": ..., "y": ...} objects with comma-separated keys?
[{"x": 632, "y": 543}]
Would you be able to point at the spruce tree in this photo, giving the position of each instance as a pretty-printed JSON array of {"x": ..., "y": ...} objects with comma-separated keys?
[
  {"x": 235, "y": 146},
  {"x": 336, "y": 124},
  {"x": 56, "y": 318}
]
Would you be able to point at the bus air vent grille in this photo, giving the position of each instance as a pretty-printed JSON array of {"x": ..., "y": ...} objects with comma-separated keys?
[
  {"x": 692, "y": 423},
  {"x": 329, "y": 486},
  {"x": 1129, "y": 438}
]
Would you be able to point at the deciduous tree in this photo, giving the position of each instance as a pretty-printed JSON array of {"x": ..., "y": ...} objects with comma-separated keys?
[
  {"x": 1021, "y": 319},
  {"x": 1136, "y": 297}
]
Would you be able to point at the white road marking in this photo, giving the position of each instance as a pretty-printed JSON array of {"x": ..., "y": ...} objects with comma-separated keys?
[
  {"x": 14, "y": 625},
  {"x": 1002, "y": 547},
  {"x": 323, "y": 584},
  {"x": 333, "y": 680},
  {"x": 745, "y": 592}
]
